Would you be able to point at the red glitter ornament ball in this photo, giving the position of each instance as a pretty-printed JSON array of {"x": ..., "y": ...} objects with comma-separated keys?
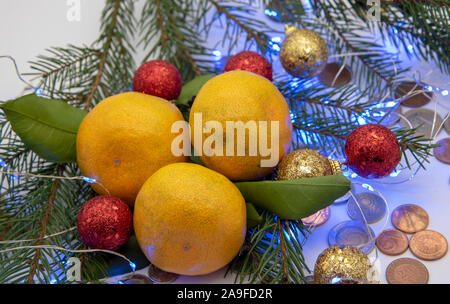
[
  {"x": 251, "y": 62},
  {"x": 158, "y": 78},
  {"x": 372, "y": 151},
  {"x": 105, "y": 222}
]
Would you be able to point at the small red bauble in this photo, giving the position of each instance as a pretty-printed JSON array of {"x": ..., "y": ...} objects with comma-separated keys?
[
  {"x": 105, "y": 222},
  {"x": 158, "y": 78},
  {"x": 372, "y": 151},
  {"x": 251, "y": 62}
]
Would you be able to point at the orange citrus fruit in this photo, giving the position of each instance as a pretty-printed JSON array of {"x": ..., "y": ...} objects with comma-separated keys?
[
  {"x": 189, "y": 219},
  {"x": 124, "y": 140},
  {"x": 241, "y": 96}
]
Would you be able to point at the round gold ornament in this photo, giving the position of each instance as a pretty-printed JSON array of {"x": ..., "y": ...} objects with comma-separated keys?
[
  {"x": 342, "y": 265},
  {"x": 306, "y": 163},
  {"x": 303, "y": 53}
]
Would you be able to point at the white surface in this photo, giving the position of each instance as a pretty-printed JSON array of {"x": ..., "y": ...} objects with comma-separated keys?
[{"x": 27, "y": 28}]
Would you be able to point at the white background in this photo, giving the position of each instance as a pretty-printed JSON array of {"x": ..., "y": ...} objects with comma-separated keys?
[{"x": 27, "y": 28}]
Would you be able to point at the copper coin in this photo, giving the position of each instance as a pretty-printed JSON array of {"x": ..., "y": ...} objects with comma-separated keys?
[
  {"x": 328, "y": 75},
  {"x": 415, "y": 98},
  {"x": 442, "y": 153},
  {"x": 160, "y": 276},
  {"x": 407, "y": 271},
  {"x": 410, "y": 218},
  {"x": 428, "y": 245},
  {"x": 392, "y": 242},
  {"x": 317, "y": 219},
  {"x": 135, "y": 279}
]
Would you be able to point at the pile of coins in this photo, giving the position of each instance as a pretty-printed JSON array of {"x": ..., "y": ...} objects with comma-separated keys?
[
  {"x": 415, "y": 95},
  {"x": 369, "y": 209},
  {"x": 427, "y": 245}
]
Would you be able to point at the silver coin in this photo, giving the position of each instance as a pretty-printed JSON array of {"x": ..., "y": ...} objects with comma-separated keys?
[
  {"x": 423, "y": 118},
  {"x": 343, "y": 199},
  {"x": 352, "y": 233},
  {"x": 372, "y": 206}
]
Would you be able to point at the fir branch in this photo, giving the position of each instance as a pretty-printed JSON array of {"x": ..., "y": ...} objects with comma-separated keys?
[
  {"x": 104, "y": 56},
  {"x": 257, "y": 36},
  {"x": 180, "y": 40},
  {"x": 44, "y": 223}
]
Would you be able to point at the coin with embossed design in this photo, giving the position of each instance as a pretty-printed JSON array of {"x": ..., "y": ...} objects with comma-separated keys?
[
  {"x": 352, "y": 233},
  {"x": 412, "y": 94},
  {"x": 428, "y": 245},
  {"x": 407, "y": 271},
  {"x": 442, "y": 153},
  {"x": 370, "y": 205},
  {"x": 317, "y": 219},
  {"x": 392, "y": 242},
  {"x": 425, "y": 120},
  {"x": 160, "y": 276},
  {"x": 410, "y": 218},
  {"x": 135, "y": 279}
]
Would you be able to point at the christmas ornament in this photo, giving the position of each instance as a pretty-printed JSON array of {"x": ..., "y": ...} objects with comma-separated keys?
[
  {"x": 251, "y": 62},
  {"x": 241, "y": 96},
  {"x": 306, "y": 163},
  {"x": 124, "y": 140},
  {"x": 372, "y": 151},
  {"x": 105, "y": 222},
  {"x": 342, "y": 265},
  {"x": 303, "y": 53},
  {"x": 195, "y": 230},
  {"x": 158, "y": 78}
]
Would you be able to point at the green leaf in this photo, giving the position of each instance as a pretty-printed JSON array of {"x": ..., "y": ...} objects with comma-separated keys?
[
  {"x": 191, "y": 89},
  {"x": 295, "y": 199},
  {"x": 253, "y": 217},
  {"x": 46, "y": 126}
]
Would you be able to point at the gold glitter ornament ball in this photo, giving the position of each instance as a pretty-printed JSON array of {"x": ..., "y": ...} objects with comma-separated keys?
[
  {"x": 342, "y": 265},
  {"x": 303, "y": 53},
  {"x": 304, "y": 163}
]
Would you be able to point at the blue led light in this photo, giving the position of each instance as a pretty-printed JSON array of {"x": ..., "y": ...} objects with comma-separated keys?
[
  {"x": 368, "y": 187},
  {"x": 217, "y": 54},
  {"x": 53, "y": 281},
  {"x": 444, "y": 92},
  {"x": 133, "y": 266},
  {"x": 89, "y": 180},
  {"x": 410, "y": 48},
  {"x": 272, "y": 13},
  {"x": 395, "y": 173},
  {"x": 335, "y": 280},
  {"x": 3, "y": 163},
  {"x": 429, "y": 88},
  {"x": 276, "y": 39},
  {"x": 38, "y": 92},
  {"x": 400, "y": 24}
]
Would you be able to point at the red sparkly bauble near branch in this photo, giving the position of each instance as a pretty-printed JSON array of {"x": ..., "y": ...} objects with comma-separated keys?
[
  {"x": 105, "y": 222},
  {"x": 372, "y": 151},
  {"x": 251, "y": 62},
  {"x": 158, "y": 78}
]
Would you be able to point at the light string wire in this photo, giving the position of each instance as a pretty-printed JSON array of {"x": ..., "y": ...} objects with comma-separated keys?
[{"x": 132, "y": 265}]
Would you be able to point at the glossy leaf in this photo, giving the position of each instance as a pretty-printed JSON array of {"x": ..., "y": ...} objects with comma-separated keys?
[
  {"x": 46, "y": 126},
  {"x": 191, "y": 89},
  {"x": 295, "y": 199}
]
